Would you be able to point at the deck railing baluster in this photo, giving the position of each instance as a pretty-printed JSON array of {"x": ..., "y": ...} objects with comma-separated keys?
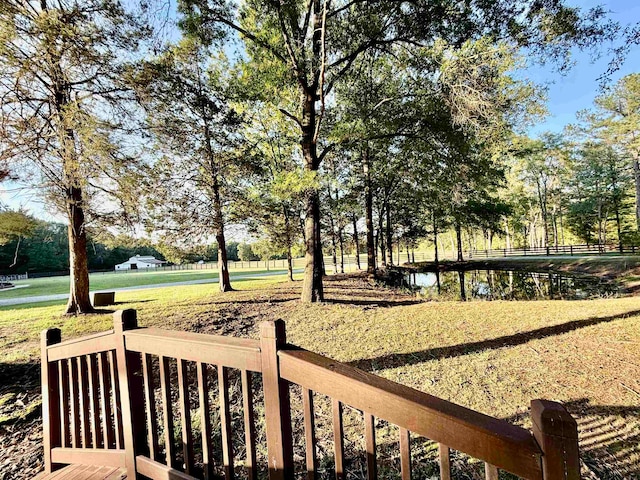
[
  {"x": 445, "y": 462},
  {"x": 205, "y": 420},
  {"x": 115, "y": 398},
  {"x": 249, "y": 425},
  {"x": 225, "y": 422},
  {"x": 309, "y": 433},
  {"x": 75, "y": 406},
  {"x": 63, "y": 373},
  {"x": 167, "y": 410},
  {"x": 150, "y": 400},
  {"x": 370, "y": 440},
  {"x": 490, "y": 472},
  {"x": 405, "y": 454},
  {"x": 84, "y": 401},
  {"x": 185, "y": 415},
  {"x": 96, "y": 436},
  {"x": 105, "y": 401},
  {"x": 338, "y": 438}
]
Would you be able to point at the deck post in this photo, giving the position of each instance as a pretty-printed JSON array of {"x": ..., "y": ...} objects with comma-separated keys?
[
  {"x": 131, "y": 390},
  {"x": 276, "y": 402},
  {"x": 51, "y": 420},
  {"x": 556, "y": 432}
]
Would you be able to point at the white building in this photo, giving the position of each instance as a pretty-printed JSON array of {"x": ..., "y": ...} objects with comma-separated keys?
[{"x": 138, "y": 262}]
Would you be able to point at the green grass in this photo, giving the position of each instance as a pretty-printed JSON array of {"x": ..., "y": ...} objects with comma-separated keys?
[
  {"x": 494, "y": 357},
  {"x": 103, "y": 281}
]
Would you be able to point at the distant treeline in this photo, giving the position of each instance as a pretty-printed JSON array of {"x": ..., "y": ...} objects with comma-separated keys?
[{"x": 47, "y": 250}]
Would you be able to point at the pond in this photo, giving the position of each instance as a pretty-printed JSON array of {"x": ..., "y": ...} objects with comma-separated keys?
[{"x": 509, "y": 285}]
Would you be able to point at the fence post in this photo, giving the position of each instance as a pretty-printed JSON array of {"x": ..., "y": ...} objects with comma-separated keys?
[
  {"x": 50, "y": 397},
  {"x": 276, "y": 402},
  {"x": 556, "y": 432},
  {"x": 131, "y": 390}
]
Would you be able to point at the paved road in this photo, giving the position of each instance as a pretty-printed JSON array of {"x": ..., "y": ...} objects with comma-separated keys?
[{"x": 64, "y": 296}]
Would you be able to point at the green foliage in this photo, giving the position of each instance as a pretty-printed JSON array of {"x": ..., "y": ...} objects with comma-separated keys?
[{"x": 15, "y": 225}]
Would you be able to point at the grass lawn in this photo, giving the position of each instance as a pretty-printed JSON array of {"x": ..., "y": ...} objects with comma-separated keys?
[
  {"x": 490, "y": 356},
  {"x": 104, "y": 281}
]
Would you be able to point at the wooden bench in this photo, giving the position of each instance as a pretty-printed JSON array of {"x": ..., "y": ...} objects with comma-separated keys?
[{"x": 110, "y": 409}]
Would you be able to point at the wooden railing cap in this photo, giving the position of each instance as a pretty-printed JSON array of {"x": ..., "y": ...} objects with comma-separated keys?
[
  {"x": 50, "y": 336},
  {"x": 124, "y": 320},
  {"x": 273, "y": 329},
  {"x": 553, "y": 419}
]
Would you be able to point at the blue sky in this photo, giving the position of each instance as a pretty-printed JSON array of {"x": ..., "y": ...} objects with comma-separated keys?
[{"x": 577, "y": 89}]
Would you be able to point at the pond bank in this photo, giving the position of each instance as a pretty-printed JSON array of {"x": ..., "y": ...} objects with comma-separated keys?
[{"x": 623, "y": 268}]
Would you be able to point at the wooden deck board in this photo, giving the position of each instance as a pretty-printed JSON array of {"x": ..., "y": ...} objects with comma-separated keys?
[{"x": 85, "y": 472}]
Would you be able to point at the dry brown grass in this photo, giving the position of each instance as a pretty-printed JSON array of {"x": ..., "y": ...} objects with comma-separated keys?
[{"x": 490, "y": 356}]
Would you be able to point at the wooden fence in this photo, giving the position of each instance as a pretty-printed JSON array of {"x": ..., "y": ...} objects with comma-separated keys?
[
  {"x": 570, "y": 250},
  {"x": 13, "y": 277},
  {"x": 105, "y": 403}
]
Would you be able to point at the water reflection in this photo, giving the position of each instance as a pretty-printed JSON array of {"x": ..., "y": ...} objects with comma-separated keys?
[{"x": 509, "y": 285}]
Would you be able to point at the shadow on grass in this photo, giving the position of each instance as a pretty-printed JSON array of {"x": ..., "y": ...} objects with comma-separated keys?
[
  {"x": 396, "y": 360},
  {"x": 373, "y": 303}
]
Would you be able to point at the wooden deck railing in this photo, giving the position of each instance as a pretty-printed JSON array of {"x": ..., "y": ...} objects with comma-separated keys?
[{"x": 110, "y": 399}]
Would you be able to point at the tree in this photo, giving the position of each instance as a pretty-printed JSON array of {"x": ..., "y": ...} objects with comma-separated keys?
[
  {"x": 62, "y": 127},
  {"x": 599, "y": 182},
  {"x": 542, "y": 170},
  {"x": 198, "y": 137},
  {"x": 273, "y": 204},
  {"x": 616, "y": 119},
  {"x": 314, "y": 45},
  {"x": 245, "y": 252},
  {"x": 15, "y": 225}
]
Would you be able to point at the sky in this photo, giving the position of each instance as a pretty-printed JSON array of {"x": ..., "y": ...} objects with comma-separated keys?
[
  {"x": 576, "y": 90},
  {"x": 567, "y": 94}
]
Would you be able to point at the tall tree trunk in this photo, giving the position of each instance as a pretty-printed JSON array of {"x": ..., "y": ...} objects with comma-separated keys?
[
  {"x": 79, "y": 301},
  {"x": 368, "y": 209},
  {"x": 435, "y": 241},
  {"x": 542, "y": 199},
  {"x": 636, "y": 177},
  {"x": 463, "y": 290},
  {"x": 459, "y": 239},
  {"x": 312, "y": 290},
  {"x": 289, "y": 263},
  {"x": 334, "y": 256},
  {"x": 341, "y": 244},
  {"x": 554, "y": 219},
  {"x": 561, "y": 227},
  {"x": 224, "y": 281},
  {"x": 356, "y": 242},
  {"x": 287, "y": 227},
  {"x": 616, "y": 207},
  {"x": 389, "y": 232},
  {"x": 381, "y": 242}
]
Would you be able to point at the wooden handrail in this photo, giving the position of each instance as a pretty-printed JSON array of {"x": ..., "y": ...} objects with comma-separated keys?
[
  {"x": 230, "y": 352},
  {"x": 100, "y": 342},
  {"x": 493, "y": 440}
]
